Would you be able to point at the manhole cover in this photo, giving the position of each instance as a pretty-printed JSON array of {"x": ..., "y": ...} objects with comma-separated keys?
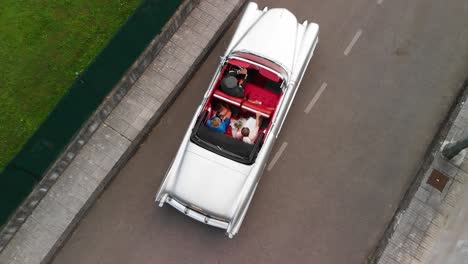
[{"x": 437, "y": 180}]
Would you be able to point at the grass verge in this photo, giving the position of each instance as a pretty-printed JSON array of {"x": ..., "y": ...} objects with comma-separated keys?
[{"x": 44, "y": 45}]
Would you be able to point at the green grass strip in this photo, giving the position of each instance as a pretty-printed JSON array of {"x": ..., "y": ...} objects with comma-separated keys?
[{"x": 44, "y": 45}]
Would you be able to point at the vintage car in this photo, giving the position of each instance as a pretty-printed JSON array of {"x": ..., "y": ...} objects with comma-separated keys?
[{"x": 214, "y": 174}]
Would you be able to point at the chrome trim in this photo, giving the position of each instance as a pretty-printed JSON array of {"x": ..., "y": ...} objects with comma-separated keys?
[
  {"x": 258, "y": 64},
  {"x": 253, "y": 110},
  {"x": 226, "y": 99},
  {"x": 196, "y": 215}
]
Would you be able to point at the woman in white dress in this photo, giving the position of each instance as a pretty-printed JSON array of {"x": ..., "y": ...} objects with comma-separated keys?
[{"x": 249, "y": 131}]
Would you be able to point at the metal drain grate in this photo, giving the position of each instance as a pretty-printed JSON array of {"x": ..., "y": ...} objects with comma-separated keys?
[{"x": 438, "y": 180}]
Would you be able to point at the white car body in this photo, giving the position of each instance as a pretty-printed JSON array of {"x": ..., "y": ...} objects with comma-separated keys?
[{"x": 208, "y": 185}]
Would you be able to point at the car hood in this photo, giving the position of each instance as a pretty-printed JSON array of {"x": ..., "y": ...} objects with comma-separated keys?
[
  {"x": 207, "y": 181},
  {"x": 270, "y": 34}
]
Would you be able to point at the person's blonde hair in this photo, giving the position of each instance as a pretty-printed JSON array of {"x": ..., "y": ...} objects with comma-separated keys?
[{"x": 215, "y": 122}]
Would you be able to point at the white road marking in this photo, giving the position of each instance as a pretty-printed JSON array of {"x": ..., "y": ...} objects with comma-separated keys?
[
  {"x": 315, "y": 98},
  {"x": 277, "y": 155},
  {"x": 353, "y": 41},
  {"x": 379, "y": 2}
]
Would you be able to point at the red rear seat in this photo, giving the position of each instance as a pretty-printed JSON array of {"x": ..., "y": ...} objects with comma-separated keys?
[
  {"x": 227, "y": 98},
  {"x": 257, "y": 108}
]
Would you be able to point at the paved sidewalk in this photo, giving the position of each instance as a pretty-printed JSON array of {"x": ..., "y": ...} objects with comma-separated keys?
[
  {"x": 113, "y": 141},
  {"x": 432, "y": 226}
]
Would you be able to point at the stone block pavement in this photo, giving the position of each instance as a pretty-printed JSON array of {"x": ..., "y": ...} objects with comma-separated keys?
[
  {"x": 74, "y": 190},
  {"x": 432, "y": 227}
]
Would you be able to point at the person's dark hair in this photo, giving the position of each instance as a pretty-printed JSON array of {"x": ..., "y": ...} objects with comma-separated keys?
[{"x": 245, "y": 131}]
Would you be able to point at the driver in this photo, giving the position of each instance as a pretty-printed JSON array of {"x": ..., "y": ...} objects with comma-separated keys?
[{"x": 232, "y": 83}]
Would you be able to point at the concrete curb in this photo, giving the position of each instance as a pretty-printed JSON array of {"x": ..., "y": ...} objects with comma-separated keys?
[{"x": 108, "y": 140}]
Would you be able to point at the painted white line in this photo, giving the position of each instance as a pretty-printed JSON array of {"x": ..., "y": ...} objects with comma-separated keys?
[
  {"x": 379, "y": 2},
  {"x": 277, "y": 155},
  {"x": 315, "y": 98},
  {"x": 353, "y": 41}
]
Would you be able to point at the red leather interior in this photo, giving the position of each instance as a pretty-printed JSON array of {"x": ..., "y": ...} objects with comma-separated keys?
[
  {"x": 240, "y": 63},
  {"x": 227, "y": 98},
  {"x": 257, "y": 108},
  {"x": 269, "y": 75},
  {"x": 256, "y": 92}
]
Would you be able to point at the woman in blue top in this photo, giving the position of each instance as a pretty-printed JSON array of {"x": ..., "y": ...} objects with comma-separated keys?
[{"x": 219, "y": 122}]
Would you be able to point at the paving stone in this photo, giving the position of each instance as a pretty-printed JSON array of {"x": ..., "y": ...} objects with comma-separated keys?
[
  {"x": 201, "y": 15},
  {"x": 407, "y": 220},
  {"x": 146, "y": 114},
  {"x": 421, "y": 209},
  {"x": 464, "y": 165},
  {"x": 214, "y": 12},
  {"x": 141, "y": 96},
  {"x": 187, "y": 58},
  {"x": 90, "y": 153},
  {"x": 195, "y": 50},
  {"x": 385, "y": 259},
  {"x": 462, "y": 177},
  {"x": 416, "y": 234},
  {"x": 410, "y": 247},
  {"x": 69, "y": 193},
  {"x": 166, "y": 84},
  {"x": 117, "y": 123},
  {"x": 131, "y": 133},
  {"x": 155, "y": 91},
  {"x": 454, "y": 134},
  {"x": 421, "y": 253},
  {"x": 128, "y": 109},
  {"x": 422, "y": 194},
  {"x": 171, "y": 75},
  {"x": 398, "y": 237},
  {"x": 35, "y": 241},
  {"x": 454, "y": 193},
  {"x": 433, "y": 231},
  {"x": 104, "y": 167},
  {"x": 402, "y": 257},
  {"x": 139, "y": 123},
  {"x": 422, "y": 223},
  {"x": 427, "y": 242},
  {"x": 105, "y": 140},
  {"x": 446, "y": 168},
  {"x": 52, "y": 215}
]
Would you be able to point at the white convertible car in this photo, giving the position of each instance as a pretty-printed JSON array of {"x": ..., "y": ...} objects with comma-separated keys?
[{"x": 216, "y": 170}]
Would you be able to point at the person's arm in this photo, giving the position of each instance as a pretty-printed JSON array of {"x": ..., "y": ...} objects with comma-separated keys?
[
  {"x": 238, "y": 134},
  {"x": 253, "y": 134},
  {"x": 258, "y": 119},
  {"x": 244, "y": 77},
  {"x": 224, "y": 124},
  {"x": 228, "y": 114}
]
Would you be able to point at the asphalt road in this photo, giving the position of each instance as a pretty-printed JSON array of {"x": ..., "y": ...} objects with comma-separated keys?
[{"x": 347, "y": 162}]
